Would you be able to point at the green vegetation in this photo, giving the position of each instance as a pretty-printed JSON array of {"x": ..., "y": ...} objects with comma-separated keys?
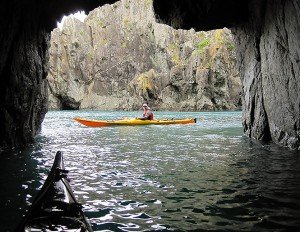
[
  {"x": 100, "y": 23},
  {"x": 174, "y": 51},
  {"x": 219, "y": 36},
  {"x": 202, "y": 45},
  {"x": 175, "y": 58},
  {"x": 149, "y": 3},
  {"x": 90, "y": 54},
  {"x": 103, "y": 42},
  {"x": 172, "y": 47},
  {"x": 124, "y": 44},
  {"x": 230, "y": 46},
  {"x": 201, "y": 35},
  {"x": 127, "y": 5},
  {"x": 145, "y": 81},
  {"x": 129, "y": 25}
]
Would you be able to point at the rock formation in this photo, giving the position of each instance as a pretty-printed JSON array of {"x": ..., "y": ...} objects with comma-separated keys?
[
  {"x": 120, "y": 57},
  {"x": 270, "y": 65},
  {"x": 267, "y": 38},
  {"x": 266, "y": 33},
  {"x": 24, "y": 41}
]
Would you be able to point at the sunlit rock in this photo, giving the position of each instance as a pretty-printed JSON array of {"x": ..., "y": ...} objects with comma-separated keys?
[{"x": 120, "y": 57}]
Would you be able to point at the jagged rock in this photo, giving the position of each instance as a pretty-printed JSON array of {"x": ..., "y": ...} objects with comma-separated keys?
[
  {"x": 270, "y": 66},
  {"x": 266, "y": 31},
  {"x": 24, "y": 41},
  {"x": 120, "y": 57},
  {"x": 268, "y": 50}
]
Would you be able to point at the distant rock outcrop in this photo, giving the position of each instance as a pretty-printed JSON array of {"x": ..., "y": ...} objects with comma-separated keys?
[
  {"x": 267, "y": 45},
  {"x": 267, "y": 39},
  {"x": 120, "y": 57}
]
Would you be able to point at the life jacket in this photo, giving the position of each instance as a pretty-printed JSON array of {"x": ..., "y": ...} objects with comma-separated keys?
[{"x": 151, "y": 116}]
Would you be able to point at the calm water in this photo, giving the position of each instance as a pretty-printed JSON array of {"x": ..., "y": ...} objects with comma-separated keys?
[{"x": 200, "y": 177}]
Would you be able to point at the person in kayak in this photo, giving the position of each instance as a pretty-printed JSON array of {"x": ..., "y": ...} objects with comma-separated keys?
[{"x": 147, "y": 114}]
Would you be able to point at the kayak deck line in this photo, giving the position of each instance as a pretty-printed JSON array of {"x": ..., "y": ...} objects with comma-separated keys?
[
  {"x": 132, "y": 122},
  {"x": 55, "y": 206}
]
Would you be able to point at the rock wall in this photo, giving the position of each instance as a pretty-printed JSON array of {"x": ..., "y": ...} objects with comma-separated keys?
[
  {"x": 269, "y": 54},
  {"x": 23, "y": 68},
  {"x": 120, "y": 57},
  {"x": 269, "y": 64},
  {"x": 24, "y": 40},
  {"x": 267, "y": 43}
]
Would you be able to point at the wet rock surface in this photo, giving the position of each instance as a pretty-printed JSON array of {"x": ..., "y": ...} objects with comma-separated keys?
[
  {"x": 267, "y": 43},
  {"x": 120, "y": 57},
  {"x": 266, "y": 34},
  {"x": 24, "y": 41}
]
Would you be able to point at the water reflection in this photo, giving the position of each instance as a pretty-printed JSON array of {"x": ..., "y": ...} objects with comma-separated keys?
[{"x": 206, "y": 176}]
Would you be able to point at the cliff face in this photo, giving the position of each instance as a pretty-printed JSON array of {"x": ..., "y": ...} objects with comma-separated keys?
[
  {"x": 269, "y": 54},
  {"x": 23, "y": 75},
  {"x": 120, "y": 57},
  {"x": 25, "y": 33},
  {"x": 267, "y": 35}
]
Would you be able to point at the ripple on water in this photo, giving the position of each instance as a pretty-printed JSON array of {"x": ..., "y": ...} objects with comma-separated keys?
[{"x": 205, "y": 176}]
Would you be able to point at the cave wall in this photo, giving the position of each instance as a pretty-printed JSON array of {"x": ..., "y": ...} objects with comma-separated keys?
[
  {"x": 23, "y": 70},
  {"x": 202, "y": 15},
  {"x": 267, "y": 35},
  {"x": 270, "y": 67},
  {"x": 24, "y": 41}
]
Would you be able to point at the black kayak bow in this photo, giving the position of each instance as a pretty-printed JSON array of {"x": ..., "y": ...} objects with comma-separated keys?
[{"x": 55, "y": 208}]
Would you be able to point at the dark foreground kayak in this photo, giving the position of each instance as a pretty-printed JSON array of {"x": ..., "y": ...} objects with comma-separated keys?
[{"x": 55, "y": 208}]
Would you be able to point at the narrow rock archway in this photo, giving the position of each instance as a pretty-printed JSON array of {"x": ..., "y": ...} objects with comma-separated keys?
[{"x": 267, "y": 39}]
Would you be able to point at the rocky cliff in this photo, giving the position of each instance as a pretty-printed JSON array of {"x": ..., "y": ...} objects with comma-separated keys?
[
  {"x": 269, "y": 57},
  {"x": 24, "y": 41},
  {"x": 267, "y": 35},
  {"x": 120, "y": 57}
]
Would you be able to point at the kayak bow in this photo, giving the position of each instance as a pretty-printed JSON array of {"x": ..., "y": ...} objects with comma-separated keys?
[
  {"x": 55, "y": 208},
  {"x": 132, "y": 122}
]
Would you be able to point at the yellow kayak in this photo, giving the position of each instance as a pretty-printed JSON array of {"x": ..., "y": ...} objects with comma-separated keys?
[{"x": 132, "y": 122}]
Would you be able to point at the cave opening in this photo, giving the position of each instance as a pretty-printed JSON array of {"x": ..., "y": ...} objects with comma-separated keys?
[
  {"x": 267, "y": 43},
  {"x": 96, "y": 59},
  {"x": 24, "y": 54}
]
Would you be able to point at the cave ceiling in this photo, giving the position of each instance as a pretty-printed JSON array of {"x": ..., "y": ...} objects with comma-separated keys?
[{"x": 201, "y": 14}]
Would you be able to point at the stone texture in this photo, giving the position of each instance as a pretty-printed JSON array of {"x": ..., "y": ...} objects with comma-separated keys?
[
  {"x": 268, "y": 57},
  {"x": 273, "y": 36},
  {"x": 23, "y": 70},
  {"x": 270, "y": 72},
  {"x": 120, "y": 57},
  {"x": 24, "y": 41}
]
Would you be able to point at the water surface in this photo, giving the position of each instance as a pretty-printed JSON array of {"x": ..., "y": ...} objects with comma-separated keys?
[{"x": 204, "y": 176}]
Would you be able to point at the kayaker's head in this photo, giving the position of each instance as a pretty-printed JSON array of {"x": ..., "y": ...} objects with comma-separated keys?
[{"x": 145, "y": 106}]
